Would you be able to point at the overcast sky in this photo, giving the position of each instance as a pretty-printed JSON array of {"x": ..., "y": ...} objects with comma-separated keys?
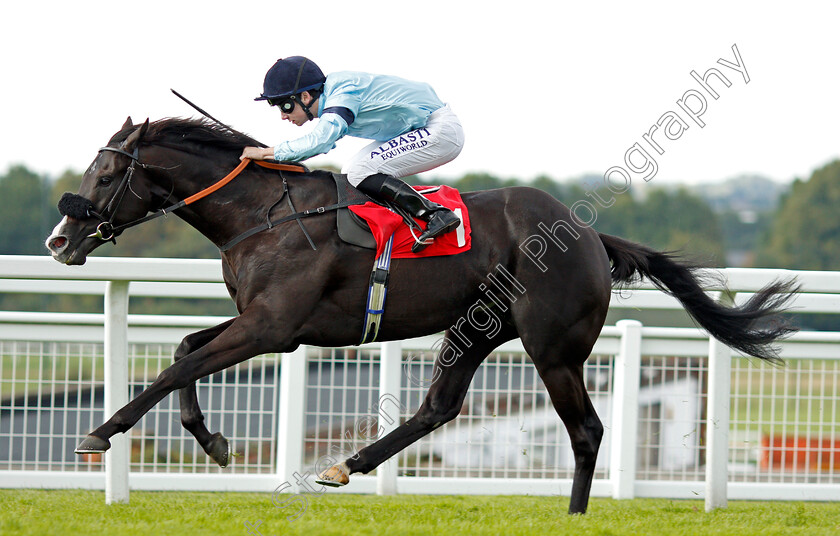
[{"x": 540, "y": 87}]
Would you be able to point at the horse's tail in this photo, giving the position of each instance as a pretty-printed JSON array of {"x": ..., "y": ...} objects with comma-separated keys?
[{"x": 737, "y": 327}]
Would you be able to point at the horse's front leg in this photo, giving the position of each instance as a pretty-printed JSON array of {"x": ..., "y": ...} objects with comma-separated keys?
[
  {"x": 246, "y": 336},
  {"x": 215, "y": 445}
]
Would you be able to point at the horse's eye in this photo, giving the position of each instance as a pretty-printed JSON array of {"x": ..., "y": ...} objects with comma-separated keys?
[{"x": 105, "y": 181}]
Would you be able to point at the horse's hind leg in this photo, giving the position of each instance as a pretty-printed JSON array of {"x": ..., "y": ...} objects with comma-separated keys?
[
  {"x": 568, "y": 394},
  {"x": 442, "y": 404},
  {"x": 561, "y": 369},
  {"x": 215, "y": 445}
]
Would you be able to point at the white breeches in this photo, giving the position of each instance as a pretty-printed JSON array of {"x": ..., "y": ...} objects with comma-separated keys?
[{"x": 425, "y": 148}]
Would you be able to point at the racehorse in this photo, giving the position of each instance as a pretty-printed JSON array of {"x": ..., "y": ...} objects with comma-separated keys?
[{"x": 554, "y": 277}]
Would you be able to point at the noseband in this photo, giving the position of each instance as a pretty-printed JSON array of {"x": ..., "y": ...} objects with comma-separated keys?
[{"x": 79, "y": 207}]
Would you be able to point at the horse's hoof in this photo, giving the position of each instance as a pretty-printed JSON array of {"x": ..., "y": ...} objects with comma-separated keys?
[
  {"x": 219, "y": 450},
  {"x": 335, "y": 477},
  {"x": 93, "y": 445}
]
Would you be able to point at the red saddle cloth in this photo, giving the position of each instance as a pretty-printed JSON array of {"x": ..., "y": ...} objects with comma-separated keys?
[{"x": 383, "y": 223}]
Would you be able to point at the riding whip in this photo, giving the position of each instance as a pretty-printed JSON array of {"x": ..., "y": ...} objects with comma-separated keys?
[{"x": 208, "y": 116}]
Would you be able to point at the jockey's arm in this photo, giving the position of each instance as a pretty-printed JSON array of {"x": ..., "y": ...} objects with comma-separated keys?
[
  {"x": 330, "y": 128},
  {"x": 258, "y": 153}
]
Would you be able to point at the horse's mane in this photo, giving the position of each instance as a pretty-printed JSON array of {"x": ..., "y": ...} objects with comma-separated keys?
[{"x": 178, "y": 131}]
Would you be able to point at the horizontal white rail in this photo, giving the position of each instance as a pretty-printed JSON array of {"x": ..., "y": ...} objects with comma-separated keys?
[
  {"x": 209, "y": 270},
  {"x": 112, "y": 269},
  {"x": 202, "y": 278},
  {"x": 656, "y": 341}
]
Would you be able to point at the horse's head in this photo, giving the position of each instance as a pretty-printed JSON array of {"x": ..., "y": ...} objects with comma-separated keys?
[{"x": 113, "y": 192}]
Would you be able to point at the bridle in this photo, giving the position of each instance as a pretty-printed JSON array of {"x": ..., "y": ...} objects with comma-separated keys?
[
  {"x": 107, "y": 231},
  {"x": 78, "y": 207}
]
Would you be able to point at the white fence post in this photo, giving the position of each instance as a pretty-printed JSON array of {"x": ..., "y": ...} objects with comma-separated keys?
[
  {"x": 717, "y": 424},
  {"x": 390, "y": 375},
  {"x": 625, "y": 410},
  {"x": 290, "y": 426},
  {"x": 118, "y": 457}
]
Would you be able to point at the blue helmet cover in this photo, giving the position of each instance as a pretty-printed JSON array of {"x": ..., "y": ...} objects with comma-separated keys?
[{"x": 290, "y": 76}]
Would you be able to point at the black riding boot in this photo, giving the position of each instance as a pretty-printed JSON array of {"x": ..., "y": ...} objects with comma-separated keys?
[{"x": 440, "y": 220}]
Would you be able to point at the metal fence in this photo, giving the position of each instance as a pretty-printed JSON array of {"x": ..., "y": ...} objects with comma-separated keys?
[{"x": 683, "y": 417}]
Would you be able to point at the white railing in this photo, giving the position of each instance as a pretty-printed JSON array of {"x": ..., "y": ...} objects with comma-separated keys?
[{"x": 666, "y": 396}]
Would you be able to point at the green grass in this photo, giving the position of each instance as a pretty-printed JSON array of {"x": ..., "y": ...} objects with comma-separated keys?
[{"x": 40, "y": 512}]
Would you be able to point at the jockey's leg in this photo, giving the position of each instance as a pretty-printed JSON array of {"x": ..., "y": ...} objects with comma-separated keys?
[
  {"x": 377, "y": 168},
  {"x": 440, "y": 220}
]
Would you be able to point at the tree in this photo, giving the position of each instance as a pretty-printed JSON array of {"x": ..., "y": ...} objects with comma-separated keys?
[
  {"x": 472, "y": 182},
  {"x": 169, "y": 236},
  {"x": 550, "y": 186},
  {"x": 742, "y": 233},
  {"x": 69, "y": 181},
  {"x": 670, "y": 220},
  {"x": 26, "y": 218},
  {"x": 805, "y": 233}
]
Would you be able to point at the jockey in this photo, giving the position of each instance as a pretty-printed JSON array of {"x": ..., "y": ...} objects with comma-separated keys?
[{"x": 412, "y": 129}]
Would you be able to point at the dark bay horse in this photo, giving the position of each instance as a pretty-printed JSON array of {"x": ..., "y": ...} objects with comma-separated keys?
[{"x": 545, "y": 277}]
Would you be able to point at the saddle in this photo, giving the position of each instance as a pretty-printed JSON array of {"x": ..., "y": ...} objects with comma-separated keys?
[
  {"x": 351, "y": 228},
  {"x": 354, "y": 210}
]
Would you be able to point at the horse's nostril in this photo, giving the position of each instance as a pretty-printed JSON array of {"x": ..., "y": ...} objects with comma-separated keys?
[{"x": 58, "y": 242}]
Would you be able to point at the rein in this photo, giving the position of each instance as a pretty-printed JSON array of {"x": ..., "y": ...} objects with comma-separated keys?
[
  {"x": 207, "y": 191},
  {"x": 106, "y": 231}
]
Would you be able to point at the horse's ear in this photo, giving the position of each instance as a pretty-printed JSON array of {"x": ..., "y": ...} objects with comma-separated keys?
[
  {"x": 134, "y": 138},
  {"x": 127, "y": 124}
]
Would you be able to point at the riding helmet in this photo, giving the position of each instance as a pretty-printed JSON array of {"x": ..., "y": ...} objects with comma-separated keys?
[{"x": 289, "y": 76}]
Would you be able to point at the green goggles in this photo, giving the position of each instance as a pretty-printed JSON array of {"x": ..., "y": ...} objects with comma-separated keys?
[{"x": 286, "y": 104}]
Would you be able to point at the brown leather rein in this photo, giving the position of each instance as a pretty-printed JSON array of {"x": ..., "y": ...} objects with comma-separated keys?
[
  {"x": 233, "y": 174},
  {"x": 105, "y": 231}
]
